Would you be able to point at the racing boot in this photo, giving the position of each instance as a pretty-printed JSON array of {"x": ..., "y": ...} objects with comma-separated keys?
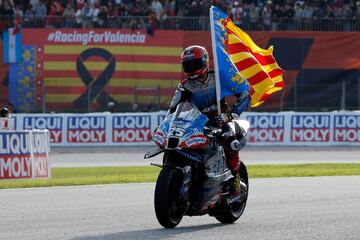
[{"x": 235, "y": 185}]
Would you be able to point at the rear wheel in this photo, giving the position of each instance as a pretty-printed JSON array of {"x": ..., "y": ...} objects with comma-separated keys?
[
  {"x": 233, "y": 211},
  {"x": 169, "y": 208}
]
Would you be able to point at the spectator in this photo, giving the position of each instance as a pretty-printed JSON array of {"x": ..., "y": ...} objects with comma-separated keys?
[
  {"x": 87, "y": 15},
  {"x": 41, "y": 13},
  {"x": 69, "y": 15},
  {"x": 237, "y": 13},
  {"x": 103, "y": 17},
  {"x": 157, "y": 7},
  {"x": 288, "y": 17},
  {"x": 348, "y": 14},
  {"x": 317, "y": 17},
  {"x": 204, "y": 13},
  {"x": 254, "y": 16},
  {"x": 112, "y": 15},
  {"x": 298, "y": 15},
  {"x": 55, "y": 12},
  {"x": 277, "y": 16},
  {"x": 7, "y": 9},
  {"x": 79, "y": 15},
  {"x": 94, "y": 15},
  {"x": 5, "y": 113},
  {"x": 266, "y": 17},
  {"x": 307, "y": 16}
]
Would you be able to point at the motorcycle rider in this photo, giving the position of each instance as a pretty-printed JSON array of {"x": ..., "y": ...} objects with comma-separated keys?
[{"x": 198, "y": 87}]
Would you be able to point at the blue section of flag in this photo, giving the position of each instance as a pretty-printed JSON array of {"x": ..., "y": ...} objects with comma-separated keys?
[
  {"x": 22, "y": 81},
  {"x": 12, "y": 46},
  {"x": 229, "y": 80}
]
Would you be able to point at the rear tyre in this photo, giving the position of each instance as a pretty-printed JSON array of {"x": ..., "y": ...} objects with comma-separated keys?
[
  {"x": 169, "y": 208},
  {"x": 233, "y": 211}
]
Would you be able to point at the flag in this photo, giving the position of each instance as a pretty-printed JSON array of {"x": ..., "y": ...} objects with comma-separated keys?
[
  {"x": 12, "y": 44},
  {"x": 240, "y": 65},
  {"x": 140, "y": 70},
  {"x": 17, "y": 28}
]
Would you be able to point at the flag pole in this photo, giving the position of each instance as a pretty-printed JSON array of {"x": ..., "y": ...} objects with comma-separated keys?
[{"x": 216, "y": 69}]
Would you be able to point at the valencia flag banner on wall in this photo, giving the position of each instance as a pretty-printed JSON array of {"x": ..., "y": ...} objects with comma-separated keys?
[
  {"x": 257, "y": 70},
  {"x": 85, "y": 67}
]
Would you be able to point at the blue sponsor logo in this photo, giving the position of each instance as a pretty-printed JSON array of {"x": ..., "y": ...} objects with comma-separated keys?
[
  {"x": 310, "y": 121},
  {"x": 347, "y": 121},
  {"x": 86, "y": 123},
  {"x": 14, "y": 143},
  {"x": 131, "y": 122},
  {"x": 265, "y": 121},
  {"x": 51, "y": 123}
]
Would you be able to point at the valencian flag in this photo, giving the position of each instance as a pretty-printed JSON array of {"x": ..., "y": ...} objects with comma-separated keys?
[{"x": 240, "y": 65}]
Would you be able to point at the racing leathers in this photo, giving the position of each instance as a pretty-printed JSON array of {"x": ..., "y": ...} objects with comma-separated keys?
[{"x": 203, "y": 96}]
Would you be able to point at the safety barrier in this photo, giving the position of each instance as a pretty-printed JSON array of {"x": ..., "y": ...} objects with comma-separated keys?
[
  {"x": 134, "y": 129},
  {"x": 24, "y": 154}
]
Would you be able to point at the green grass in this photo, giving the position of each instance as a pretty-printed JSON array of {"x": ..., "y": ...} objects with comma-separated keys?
[{"x": 107, "y": 175}]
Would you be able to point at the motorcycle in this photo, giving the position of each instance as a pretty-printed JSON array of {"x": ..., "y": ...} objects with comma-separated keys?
[{"x": 194, "y": 179}]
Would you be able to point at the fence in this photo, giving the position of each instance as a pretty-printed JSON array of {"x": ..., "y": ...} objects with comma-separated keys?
[{"x": 187, "y": 23}]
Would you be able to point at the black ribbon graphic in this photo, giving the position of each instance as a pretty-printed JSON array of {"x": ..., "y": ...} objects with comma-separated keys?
[{"x": 95, "y": 87}]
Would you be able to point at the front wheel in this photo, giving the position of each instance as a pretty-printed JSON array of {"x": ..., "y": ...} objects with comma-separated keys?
[
  {"x": 233, "y": 211},
  {"x": 169, "y": 208}
]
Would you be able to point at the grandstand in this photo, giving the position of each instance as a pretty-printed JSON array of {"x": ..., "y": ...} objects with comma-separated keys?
[{"x": 136, "y": 47}]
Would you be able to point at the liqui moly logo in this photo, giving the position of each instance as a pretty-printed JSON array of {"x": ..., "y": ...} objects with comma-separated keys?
[
  {"x": 86, "y": 129},
  {"x": 53, "y": 124},
  {"x": 310, "y": 128},
  {"x": 15, "y": 155},
  {"x": 264, "y": 128},
  {"x": 41, "y": 150},
  {"x": 347, "y": 128},
  {"x": 131, "y": 128}
]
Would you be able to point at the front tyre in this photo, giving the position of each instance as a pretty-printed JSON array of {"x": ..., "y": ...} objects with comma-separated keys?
[{"x": 169, "y": 208}]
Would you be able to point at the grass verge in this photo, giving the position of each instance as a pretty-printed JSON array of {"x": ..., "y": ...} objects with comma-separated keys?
[{"x": 107, "y": 175}]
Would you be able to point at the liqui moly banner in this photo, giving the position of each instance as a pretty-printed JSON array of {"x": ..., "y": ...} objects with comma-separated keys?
[
  {"x": 310, "y": 128},
  {"x": 86, "y": 129},
  {"x": 131, "y": 129},
  {"x": 346, "y": 129},
  {"x": 24, "y": 154},
  {"x": 134, "y": 129},
  {"x": 51, "y": 123},
  {"x": 266, "y": 129}
]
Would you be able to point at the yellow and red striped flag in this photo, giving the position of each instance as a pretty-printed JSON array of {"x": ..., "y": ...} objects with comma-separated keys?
[{"x": 255, "y": 64}]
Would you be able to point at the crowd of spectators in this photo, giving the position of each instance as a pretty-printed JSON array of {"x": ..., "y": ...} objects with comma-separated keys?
[{"x": 342, "y": 15}]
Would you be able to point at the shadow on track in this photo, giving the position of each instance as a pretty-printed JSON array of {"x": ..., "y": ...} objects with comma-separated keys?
[{"x": 151, "y": 234}]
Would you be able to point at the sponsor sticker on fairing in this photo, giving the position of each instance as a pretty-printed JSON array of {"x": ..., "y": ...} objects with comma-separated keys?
[
  {"x": 135, "y": 128},
  {"x": 86, "y": 129},
  {"x": 266, "y": 128},
  {"x": 53, "y": 124},
  {"x": 346, "y": 128},
  {"x": 195, "y": 141},
  {"x": 15, "y": 155},
  {"x": 310, "y": 128}
]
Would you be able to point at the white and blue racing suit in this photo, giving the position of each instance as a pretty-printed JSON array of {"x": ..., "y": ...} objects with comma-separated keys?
[{"x": 203, "y": 96}]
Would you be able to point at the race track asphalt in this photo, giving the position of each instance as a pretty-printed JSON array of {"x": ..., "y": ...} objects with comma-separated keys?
[
  {"x": 281, "y": 208},
  {"x": 134, "y": 156}
]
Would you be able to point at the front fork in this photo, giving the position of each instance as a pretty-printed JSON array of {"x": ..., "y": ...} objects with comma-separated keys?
[
  {"x": 184, "y": 189},
  {"x": 186, "y": 173}
]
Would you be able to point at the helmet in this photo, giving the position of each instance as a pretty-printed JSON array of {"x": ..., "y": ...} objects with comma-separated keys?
[
  {"x": 4, "y": 112},
  {"x": 195, "y": 62}
]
